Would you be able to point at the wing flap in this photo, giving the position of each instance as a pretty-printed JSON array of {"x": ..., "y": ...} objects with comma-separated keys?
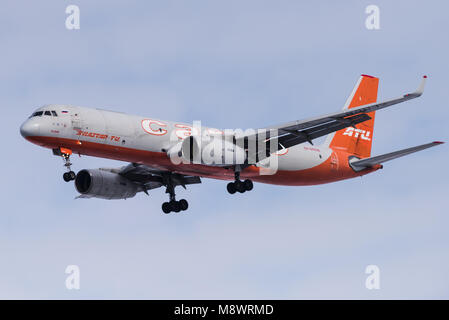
[
  {"x": 292, "y": 138},
  {"x": 150, "y": 178},
  {"x": 297, "y": 137}
]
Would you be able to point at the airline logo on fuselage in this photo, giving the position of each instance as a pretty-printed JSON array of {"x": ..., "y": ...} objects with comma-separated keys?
[
  {"x": 352, "y": 132},
  {"x": 96, "y": 135}
]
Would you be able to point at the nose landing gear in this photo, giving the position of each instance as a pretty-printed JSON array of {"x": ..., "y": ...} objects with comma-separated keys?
[
  {"x": 69, "y": 176},
  {"x": 65, "y": 154}
]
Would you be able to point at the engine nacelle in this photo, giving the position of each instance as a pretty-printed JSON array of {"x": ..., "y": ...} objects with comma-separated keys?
[
  {"x": 212, "y": 151},
  {"x": 98, "y": 183}
]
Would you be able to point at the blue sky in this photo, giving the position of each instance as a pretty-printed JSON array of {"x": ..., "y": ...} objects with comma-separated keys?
[{"x": 230, "y": 64}]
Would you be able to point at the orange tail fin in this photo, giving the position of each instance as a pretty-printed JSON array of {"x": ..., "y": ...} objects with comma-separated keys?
[{"x": 357, "y": 140}]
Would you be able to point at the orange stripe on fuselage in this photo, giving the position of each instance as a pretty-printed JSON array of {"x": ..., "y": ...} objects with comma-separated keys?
[{"x": 324, "y": 173}]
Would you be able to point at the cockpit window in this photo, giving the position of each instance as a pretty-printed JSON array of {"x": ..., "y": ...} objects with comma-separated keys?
[
  {"x": 46, "y": 113},
  {"x": 37, "y": 114}
]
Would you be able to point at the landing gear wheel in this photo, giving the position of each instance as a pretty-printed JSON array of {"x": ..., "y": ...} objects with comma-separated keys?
[
  {"x": 166, "y": 208},
  {"x": 183, "y": 204},
  {"x": 172, "y": 205},
  {"x": 175, "y": 206},
  {"x": 248, "y": 185},
  {"x": 65, "y": 154},
  {"x": 66, "y": 176},
  {"x": 231, "y": 187},
  {"x": 240, "y": 186}
]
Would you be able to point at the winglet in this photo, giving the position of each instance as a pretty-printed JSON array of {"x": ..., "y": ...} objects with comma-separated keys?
[
  {"x": 420, "y": 89},
  {"x": 418, "y": 92}
]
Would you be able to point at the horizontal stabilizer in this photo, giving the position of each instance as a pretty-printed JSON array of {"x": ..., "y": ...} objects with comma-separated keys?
[{"x": 358, "y": 165}]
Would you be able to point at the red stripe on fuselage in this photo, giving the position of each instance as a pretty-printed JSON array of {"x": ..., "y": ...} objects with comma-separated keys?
[{"x": 324, "y": 173}]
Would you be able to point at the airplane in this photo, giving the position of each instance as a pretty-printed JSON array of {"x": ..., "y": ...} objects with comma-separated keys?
[{"x": 169, "y": 154}]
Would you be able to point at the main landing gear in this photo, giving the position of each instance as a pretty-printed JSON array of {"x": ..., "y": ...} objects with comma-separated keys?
[
  {"x": 239, "y": 185},
  {"x": 65, "y": 154},
  {"x": 173, "y": 205}
]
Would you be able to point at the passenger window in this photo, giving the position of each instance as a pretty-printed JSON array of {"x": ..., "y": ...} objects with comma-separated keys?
[
  {"x": 47, "y": 113},
  {"x": 54, "y": 113}
]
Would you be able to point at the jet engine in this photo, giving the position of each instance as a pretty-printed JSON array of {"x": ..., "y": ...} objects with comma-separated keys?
[
  {"x": 104, "y": 184},
  {"x": 215, "y": 151}
]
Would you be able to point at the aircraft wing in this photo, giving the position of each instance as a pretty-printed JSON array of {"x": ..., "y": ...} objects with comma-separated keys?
[
  {"x": 296, "y": 132},
  {"x": 150, "y": 178},
  {"x": 358, "y": 165}
]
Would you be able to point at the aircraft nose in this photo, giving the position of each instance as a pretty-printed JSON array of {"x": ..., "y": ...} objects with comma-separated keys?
[{"x": 29, "y": 129}]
